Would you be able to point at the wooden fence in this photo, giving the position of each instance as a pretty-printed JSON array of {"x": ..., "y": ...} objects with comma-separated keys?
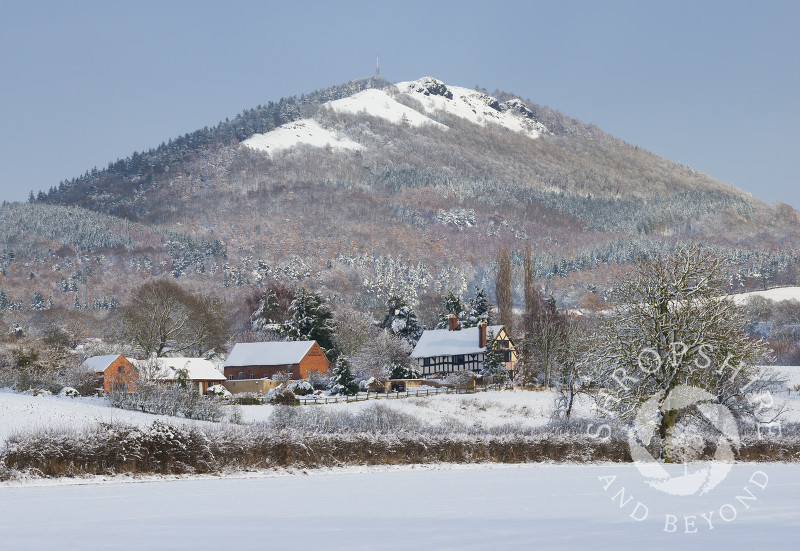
[{"x": 416, "y": 393}]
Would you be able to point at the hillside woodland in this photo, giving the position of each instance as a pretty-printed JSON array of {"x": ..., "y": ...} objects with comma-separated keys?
[{"x": 415, "y": 210}]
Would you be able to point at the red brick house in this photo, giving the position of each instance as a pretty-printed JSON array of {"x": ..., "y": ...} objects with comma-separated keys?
[
  {"x": 112, "y": 370},
  {"x": 263, "y": 360}
]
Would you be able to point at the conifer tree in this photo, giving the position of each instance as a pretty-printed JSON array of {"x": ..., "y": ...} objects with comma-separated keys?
[
  {"x": 493, "y": 365},
  {"x": 311, "y": 320},
  {"x": 343, "y": 380},
  {"x": 401, "y": 320}
]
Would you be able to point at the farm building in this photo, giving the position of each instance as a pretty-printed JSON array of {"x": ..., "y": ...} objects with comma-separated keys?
[
  {"x": 199, "y": 372},
  {"x": 113, "y": 370},
  {"x": 263, "y": 360},
  {"x": 443, "y": 351}
]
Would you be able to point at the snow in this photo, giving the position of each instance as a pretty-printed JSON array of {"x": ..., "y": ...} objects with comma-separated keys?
[
  {"x": 791, "y": 374},
  {"x": 464, "y": 103},
  {"x": 378, "y": 103},
  {"x": 199, "y": 369},
  {"x": 421, "y": 507},
  {"x": 473, "y": 106},
  {"x": 268, "y": 353},
  {"x": 99, "y": 364},
  {"x": 442, "y": 342},
  {"x": 778, "y": 294},
  {"x": 26, "y": 413},
  {"x": 521, "y": 408},
  {"x": 301, "y": 132}
]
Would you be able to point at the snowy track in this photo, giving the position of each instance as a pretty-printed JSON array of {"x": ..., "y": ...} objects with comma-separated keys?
[{"x": 513, "y": 507}]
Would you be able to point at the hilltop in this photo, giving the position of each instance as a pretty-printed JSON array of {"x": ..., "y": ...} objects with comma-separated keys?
[{"x": 369, "y": 188}]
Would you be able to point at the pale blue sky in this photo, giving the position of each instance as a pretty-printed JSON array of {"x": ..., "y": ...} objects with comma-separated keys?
[{"x": 713, "y": 85}]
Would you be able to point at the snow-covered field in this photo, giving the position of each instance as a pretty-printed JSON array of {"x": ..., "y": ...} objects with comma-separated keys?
[
  {"x": 482, "y": 409},
  {"x": 461, "y": 508},
  {"x": 485, "y": 410},
  {"x": 778, "y": 294},
  {"x": 25, "y": 413}
]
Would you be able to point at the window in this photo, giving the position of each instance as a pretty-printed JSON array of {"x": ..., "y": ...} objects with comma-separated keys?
[
  {"x": 241, "y": 375},
  {"x": 121, "y": 370},
  {"x": 426, "y": 362},
  {"x": 458, "y": 359}
]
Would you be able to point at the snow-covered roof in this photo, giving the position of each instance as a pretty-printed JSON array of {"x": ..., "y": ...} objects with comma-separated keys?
[
  {"x": 198, "y": 369},
  {"x": 442, "y": 342},
  {"x": 99, "y": 364},
  {"x": 268, "y": 353}
]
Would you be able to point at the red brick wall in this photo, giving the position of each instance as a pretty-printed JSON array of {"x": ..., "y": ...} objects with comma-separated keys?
[
  {"x": 120, "y": 372},
  {"x": 314, "y": 360}
]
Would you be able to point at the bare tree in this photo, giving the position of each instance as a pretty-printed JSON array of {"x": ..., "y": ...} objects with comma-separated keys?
[
  {"x": 531, "y": 293},
  {"x": 672, "y": 327},
  {"x": 163, "y": 317},
  {"x": 502, "y": 286}
]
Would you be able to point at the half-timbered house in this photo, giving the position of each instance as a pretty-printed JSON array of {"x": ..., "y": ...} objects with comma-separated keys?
[{"x": 440, "y": 352}]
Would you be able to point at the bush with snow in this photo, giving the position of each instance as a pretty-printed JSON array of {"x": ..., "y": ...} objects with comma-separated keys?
[
  {"x": 218, "y": 391},
  {"x": 301, "y": 388},
  {"x": 69, "y": 391}
]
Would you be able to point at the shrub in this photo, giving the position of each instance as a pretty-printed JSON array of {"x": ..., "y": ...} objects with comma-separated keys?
[{"x": 168, "y": 400}]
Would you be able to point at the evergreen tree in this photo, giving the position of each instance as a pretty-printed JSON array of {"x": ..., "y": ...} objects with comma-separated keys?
[
  {"x": 478, "y": 310},
  {"x": 37, "y": 301},
  {"x": 493, "y": 365},
  {"x": 401, "y": 371},
  {"x": 401, "y": 320},
  {"x": 311, "y": 320},
  {"x": 343, "y": 380},
  {"x": 452, "y": 305}
]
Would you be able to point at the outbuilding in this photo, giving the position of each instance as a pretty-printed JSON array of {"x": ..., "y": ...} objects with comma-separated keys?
[{"x": 264, "y": 360}]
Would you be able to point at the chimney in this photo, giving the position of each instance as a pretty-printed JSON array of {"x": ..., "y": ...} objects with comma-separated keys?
[
  {"x": 482, "y": 334},
  {"x": 452, "y": 323}
]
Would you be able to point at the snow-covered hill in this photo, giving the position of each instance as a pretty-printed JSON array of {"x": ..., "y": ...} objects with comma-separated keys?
[
  {"x": 435, "y": 98},
  {"x": 474, "y": 106},
  {"x": 302, "y": 132},
  {"x": 378, "y": 103}
]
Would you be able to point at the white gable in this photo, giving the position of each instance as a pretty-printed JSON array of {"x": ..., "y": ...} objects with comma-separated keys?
[
  {"x": 268, "y": 353},
  {"x": 442, "y": 342},
  {"x": 198, "y": 369}
]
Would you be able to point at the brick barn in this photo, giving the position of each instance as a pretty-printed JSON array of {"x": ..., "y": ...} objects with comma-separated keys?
[{"x": 263, "y": 360}]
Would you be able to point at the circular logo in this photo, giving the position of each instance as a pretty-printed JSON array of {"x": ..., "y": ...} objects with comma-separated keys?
[{"x": 706, "y": 476}]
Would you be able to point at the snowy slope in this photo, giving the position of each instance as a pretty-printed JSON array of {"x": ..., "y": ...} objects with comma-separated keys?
[
  {"x": 473, "y": 106},
  {"x": 378, "y": 103},
  {"x": 302, "y": 132},
  {"x": 778, "y": 294},
  {"x": 24, "y": 413},
  {"x": 433, "y": 95}
]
